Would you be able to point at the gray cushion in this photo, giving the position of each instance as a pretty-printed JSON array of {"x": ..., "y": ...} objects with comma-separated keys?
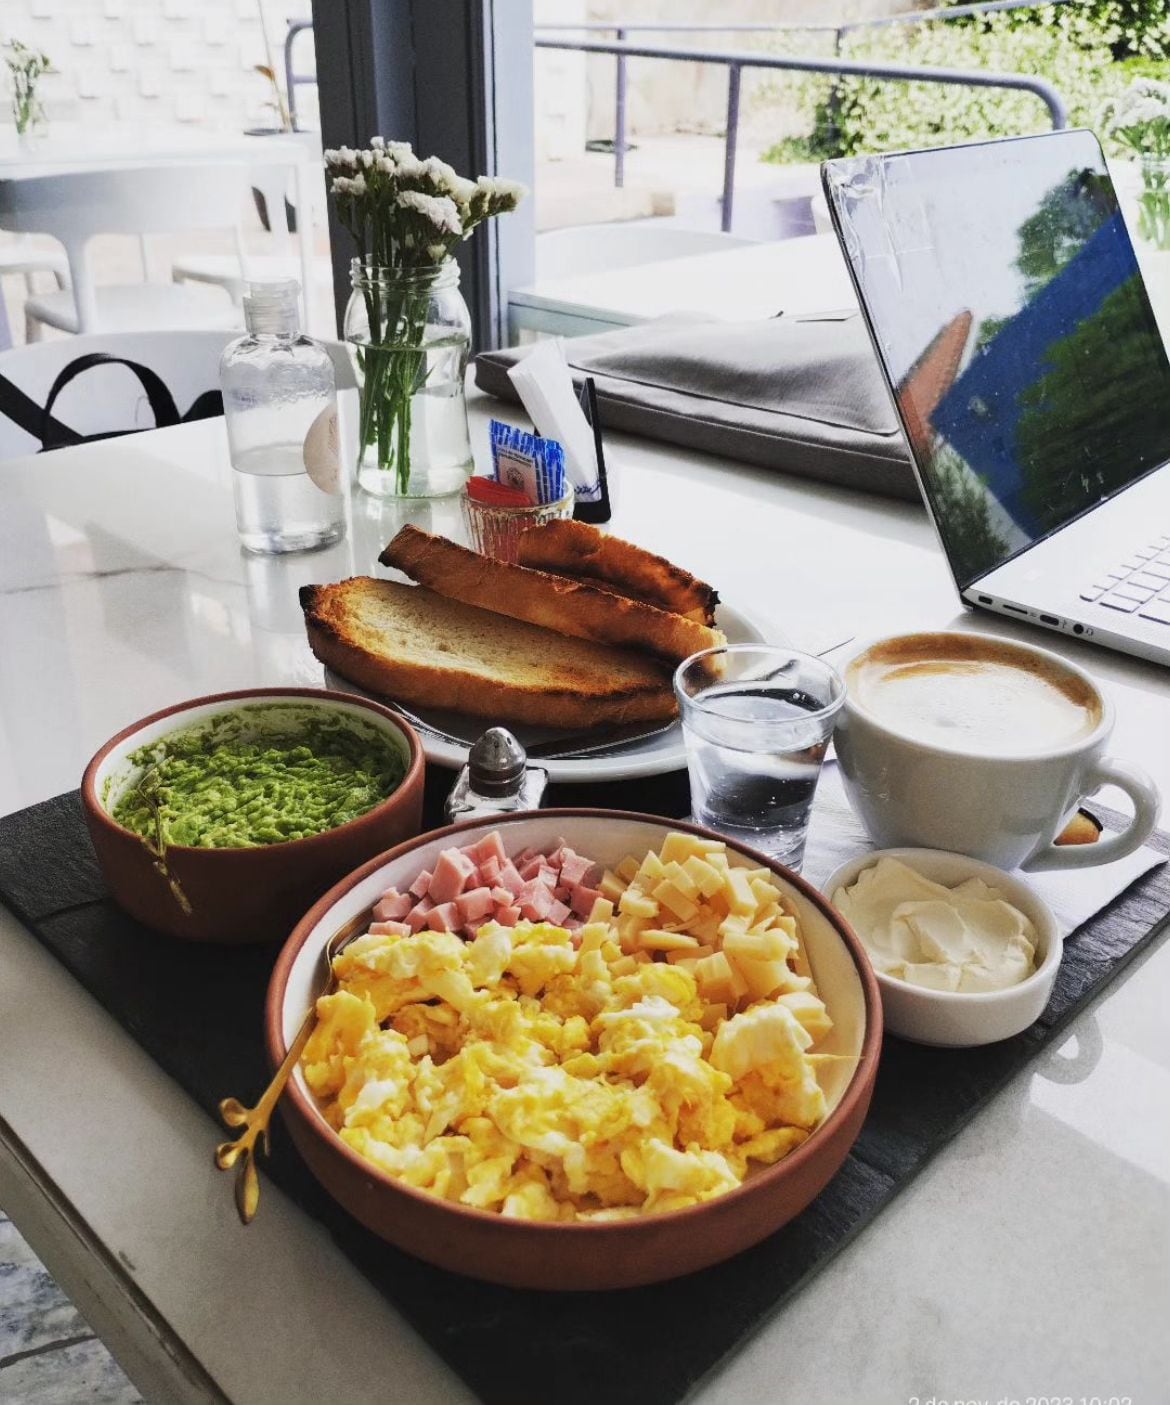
[{"x": 800, "y": 394}]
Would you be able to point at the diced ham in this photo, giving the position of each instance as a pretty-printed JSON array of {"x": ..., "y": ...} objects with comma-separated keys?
[
  {"x": 452, "y": 870},
  {"x": 538, "y": 867},
  {"x": 421, "y": 884},
  {"x": 443, "y": 918},
  {"x": 575, "y": 869},
  {"x": 525, "y": 855},
  {"x": 557, "y": 914},
  {"x": 510, "y": 879},
  {"x": 470, "y": 930},
  {"x": 508, "y": 916},
  {"x": 389, "y": 929},
  {"x": 416, "y": 918},
  {"x": 491, "y": 846},
  {"x": 573, "y": 924},
  {"x": 489, "y": 872},
  {"x": 535, "y": 904},
  {"x": 583, "y": 899},
  {"x": 475, "y": 904},
  {"x": 392, "y": 906},
  {"x": 501, "y": 897}
]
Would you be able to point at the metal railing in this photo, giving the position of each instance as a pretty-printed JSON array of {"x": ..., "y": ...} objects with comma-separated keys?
[
  {"x": 736, "y": 62},
  {"x": 291, "y": 77}
]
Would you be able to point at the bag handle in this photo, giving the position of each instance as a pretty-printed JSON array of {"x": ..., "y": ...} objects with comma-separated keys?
[{"x": 55, "y": 435}]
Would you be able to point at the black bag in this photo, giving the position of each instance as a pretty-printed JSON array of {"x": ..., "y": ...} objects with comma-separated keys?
[{"x": 24, "y": 412}]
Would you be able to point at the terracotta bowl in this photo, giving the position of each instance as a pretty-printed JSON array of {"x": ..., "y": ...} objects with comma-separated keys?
[
  {"x": 242, "y": 895},
  {"x": 613, "y": 1254}
]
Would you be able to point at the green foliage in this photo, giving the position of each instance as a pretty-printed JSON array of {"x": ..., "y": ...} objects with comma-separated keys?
[
  {"x": 1076, "y": 443},
  {"x": 1142, "y": 26},
  {"x": 962, "y": 501},
  {"x": 1063, "y": 43}
]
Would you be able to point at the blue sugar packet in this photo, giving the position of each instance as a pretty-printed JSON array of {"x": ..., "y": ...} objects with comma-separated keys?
[{"x": 521, "y": 460}]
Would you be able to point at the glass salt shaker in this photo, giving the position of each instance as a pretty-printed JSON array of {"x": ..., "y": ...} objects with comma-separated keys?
[
  {"x": 280, "y": 404},
  {"x": 497, "y": 779}
]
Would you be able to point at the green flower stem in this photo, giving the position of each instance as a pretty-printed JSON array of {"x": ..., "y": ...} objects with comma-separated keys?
[{"x": 392, "y": 363}]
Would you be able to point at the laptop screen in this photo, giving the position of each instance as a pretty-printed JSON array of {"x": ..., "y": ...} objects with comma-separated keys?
[{"x": 1005, "y": 301}]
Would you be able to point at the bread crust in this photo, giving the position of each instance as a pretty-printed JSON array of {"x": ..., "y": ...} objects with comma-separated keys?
[
  {"x": 569, "y": 548},
  {"x": 342, "y": 639},
  {"x": 541, "y": 598}
]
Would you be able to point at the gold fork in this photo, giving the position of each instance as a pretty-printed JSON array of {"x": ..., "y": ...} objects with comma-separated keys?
[{"x": 255, "y": 1120}]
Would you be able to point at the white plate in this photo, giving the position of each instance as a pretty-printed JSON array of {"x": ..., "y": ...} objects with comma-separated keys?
[{"x": 652, "y": 757}]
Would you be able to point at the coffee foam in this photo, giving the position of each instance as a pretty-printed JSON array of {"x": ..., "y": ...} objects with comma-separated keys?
[{"x": 972, "y": 694}]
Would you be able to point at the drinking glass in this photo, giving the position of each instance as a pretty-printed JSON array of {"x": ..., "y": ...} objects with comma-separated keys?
[{"x": 757, "y": 719}]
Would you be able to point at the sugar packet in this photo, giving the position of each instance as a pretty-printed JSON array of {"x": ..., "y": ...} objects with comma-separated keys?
[{"x": 525, "y": 461}]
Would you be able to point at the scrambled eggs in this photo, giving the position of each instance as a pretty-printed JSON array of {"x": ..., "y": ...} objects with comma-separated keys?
[{"x": 636, "y": 1065}]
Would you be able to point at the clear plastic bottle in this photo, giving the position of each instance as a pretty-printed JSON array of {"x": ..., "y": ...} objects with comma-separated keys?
[{"x": 280, "y": 403}]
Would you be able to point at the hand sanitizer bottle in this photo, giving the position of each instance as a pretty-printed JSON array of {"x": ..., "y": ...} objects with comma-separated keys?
[{"x": 280, "y": 403}]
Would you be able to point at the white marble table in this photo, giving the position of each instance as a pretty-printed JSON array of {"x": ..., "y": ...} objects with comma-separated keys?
[
  {"x": 67, "y": 147},
  {"x": 806, "y": 274},
  {"x": 1030, "y": 1258}
]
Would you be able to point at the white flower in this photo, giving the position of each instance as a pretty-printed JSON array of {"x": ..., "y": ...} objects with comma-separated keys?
[
  {"x": 438, "y": 209},
  {"x": 440, "y": 175},
  {"x": 377, "y": 143},
  {"x": 408, "y": 166},
  {"x": 436, "y": 252},
  {"x": 461, "y": 190},
  {"x": 386, "y": 165},
  {"x": 357, "y": 185},
  {"x": 497, "y": 188},
  {"x": 367, "y": 159}
]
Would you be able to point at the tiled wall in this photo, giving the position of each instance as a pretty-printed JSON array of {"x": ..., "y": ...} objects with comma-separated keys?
[{"x": 157, "y": 60}]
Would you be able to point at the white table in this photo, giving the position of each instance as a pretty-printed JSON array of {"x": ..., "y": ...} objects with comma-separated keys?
[
  {"x": 1029, "y": 1258},
  {"x": 74, "y": 147},
  {"x": 806, "y": 274}
]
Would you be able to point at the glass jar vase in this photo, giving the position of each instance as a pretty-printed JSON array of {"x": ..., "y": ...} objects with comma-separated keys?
[{"x": 411, "y": 332}]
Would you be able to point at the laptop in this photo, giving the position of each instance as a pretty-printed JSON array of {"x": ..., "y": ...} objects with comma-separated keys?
[{"x": 1016, "y": 337}]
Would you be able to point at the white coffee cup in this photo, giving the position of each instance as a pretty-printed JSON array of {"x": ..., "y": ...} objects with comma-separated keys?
[{"x": 917, "y": 777}]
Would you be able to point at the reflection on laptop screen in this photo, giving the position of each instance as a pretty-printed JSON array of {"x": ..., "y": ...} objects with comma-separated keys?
[{"x": 1004, "y": 295}]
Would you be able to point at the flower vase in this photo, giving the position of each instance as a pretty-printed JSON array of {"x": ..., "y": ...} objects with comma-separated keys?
[
  {"x": 411, "y": 333},
  {"x": 1153, "y": 237}
]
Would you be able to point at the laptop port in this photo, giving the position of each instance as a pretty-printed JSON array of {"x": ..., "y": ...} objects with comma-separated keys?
[
  {"x": 1015, "y": 609},
  {"x": 1078, "y": 629},
  {"x": 1050, "y": 619}
]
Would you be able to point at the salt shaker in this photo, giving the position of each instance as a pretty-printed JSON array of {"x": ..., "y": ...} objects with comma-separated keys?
[
  {"x": 497, "y": 779},
  {"x": 280, "y": 405}
]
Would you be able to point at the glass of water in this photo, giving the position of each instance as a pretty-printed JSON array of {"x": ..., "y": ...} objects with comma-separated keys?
[{"x": 757, "y": 719}]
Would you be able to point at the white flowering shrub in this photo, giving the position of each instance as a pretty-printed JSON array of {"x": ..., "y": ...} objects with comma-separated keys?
[{"x": 1061, "y": 43}]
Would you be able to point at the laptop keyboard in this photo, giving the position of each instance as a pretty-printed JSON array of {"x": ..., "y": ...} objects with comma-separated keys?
[{"x": 1139, "y": 586}]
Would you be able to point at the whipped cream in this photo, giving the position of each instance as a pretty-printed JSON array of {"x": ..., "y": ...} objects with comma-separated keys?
[{"x": 966, "y": 938}]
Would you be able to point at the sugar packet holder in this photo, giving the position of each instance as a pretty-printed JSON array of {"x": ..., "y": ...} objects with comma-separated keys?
[
  {"x": 594, "y": 506},
  {"x": 527, "y": 462}
]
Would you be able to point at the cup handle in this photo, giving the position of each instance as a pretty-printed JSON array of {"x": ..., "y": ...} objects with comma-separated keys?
[{"x": 1144, "y": 795}]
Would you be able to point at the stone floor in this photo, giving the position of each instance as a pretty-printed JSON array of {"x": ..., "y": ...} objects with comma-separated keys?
[{"x": 48, "y": 1355}]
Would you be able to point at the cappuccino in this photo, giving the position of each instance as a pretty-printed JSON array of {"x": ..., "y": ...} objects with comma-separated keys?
[{"x": 973, "y": 695}]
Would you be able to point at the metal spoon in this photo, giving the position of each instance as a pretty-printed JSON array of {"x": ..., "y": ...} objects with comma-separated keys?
[{"x": 255, "y": 1120}]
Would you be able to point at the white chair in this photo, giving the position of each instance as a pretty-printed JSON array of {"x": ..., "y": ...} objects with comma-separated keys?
[
  {"x": 22, "y": 258},
  {"x": 597, "y": 248},
  {"x": 75, "y": 206},
  {"x": 107, "y": 398},
  {"x": 234, "y": 274}
]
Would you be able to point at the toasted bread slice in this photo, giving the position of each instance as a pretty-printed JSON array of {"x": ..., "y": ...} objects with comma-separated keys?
[
  {"x": 428, "y": 651},
  {"x": 553, "y": 602},
  {"x": 576, "y": 549}
]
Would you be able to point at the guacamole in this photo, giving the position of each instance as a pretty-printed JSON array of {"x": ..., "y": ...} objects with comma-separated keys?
[{"x": 254, "y": 776}]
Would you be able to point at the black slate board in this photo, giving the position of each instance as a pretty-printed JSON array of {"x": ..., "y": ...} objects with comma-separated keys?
[{"x": 514, "y": 1347}]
